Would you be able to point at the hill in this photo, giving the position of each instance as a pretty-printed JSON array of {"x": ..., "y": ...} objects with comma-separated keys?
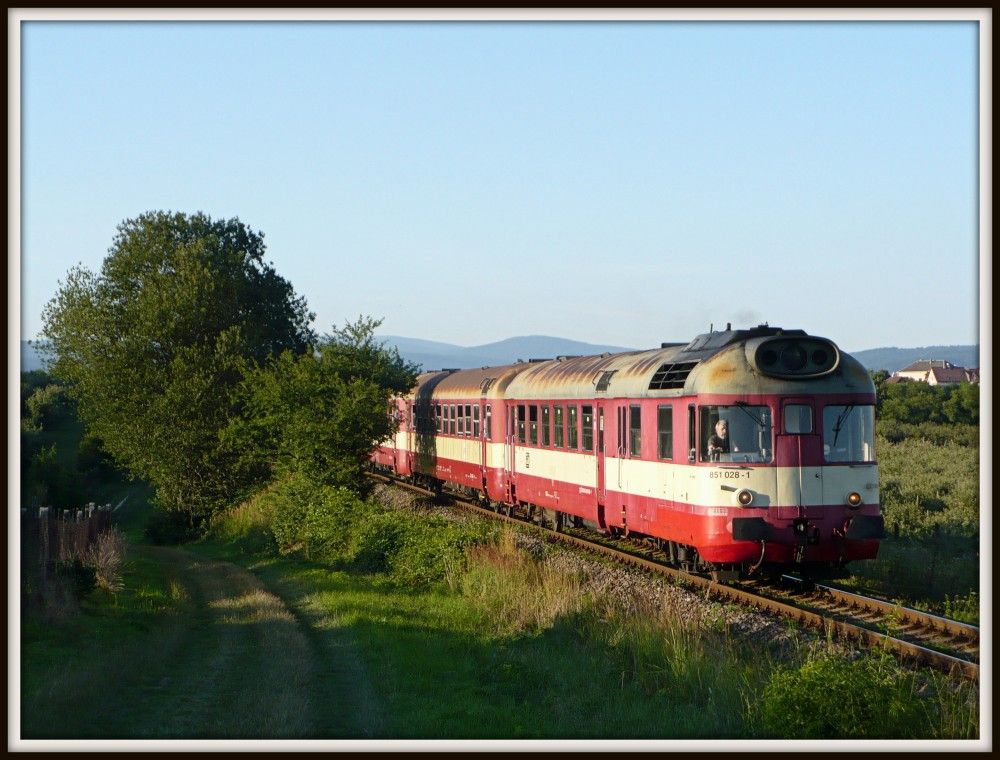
[
  {"x": 894, "y": 359},
  {"x": 31, "y": 358},
  {"x": 435, "y": 355}
]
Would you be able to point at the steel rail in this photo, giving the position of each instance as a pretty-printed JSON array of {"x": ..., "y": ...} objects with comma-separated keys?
[
  {"x": 963, "y": 631},
  {"x": 847, "y": 631}
]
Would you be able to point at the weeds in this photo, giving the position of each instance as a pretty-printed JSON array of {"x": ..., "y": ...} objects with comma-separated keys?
[{"x": 107, "y": 556}]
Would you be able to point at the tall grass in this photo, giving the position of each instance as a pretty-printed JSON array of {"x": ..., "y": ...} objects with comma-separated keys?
[
  {"x": 671, "y": 659},
  {"x": 519, "y": 593}
]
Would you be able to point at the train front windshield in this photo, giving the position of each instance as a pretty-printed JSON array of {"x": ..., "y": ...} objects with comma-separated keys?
[
  {"x": 849, "y": 433},
  {"x": 744, "y": 436}
]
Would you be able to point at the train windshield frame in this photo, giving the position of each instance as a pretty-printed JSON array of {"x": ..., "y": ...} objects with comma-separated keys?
[
  {"x": 849, "y": 433},
  {"x": 750, "y": 433}
]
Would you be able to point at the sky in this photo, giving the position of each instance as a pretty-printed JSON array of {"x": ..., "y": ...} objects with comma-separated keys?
[{"x": 614, "y": 183}]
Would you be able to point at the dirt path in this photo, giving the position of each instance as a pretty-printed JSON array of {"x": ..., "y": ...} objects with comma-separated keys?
[{"x": 240, "y": 664}]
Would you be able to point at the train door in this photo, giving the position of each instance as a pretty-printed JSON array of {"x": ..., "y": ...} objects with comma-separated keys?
[
  {"x": 798, "y": 451},
  {"x": 409, "y": 422},
  {"x": 510, "y": 435},
  {"x": 601, "y": 486},
  {"x": 479, "y": 423}
]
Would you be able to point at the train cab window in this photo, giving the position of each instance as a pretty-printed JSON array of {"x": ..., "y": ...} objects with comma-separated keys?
[
  {"x": 798, "y": 418},
  {"x": 587, "y": 414},
  {"x": 546, "y": 423},
  {"x": 475, "y": 421},
  {"x": 533, "y": 425},
  {"x": 437, "y": 417},
  {"x": 557, "y": 418},
  {"x": 665, "y": 432},
  {"x": 520, "y": 424},
  {"x": 571, "y": 431},
  {"x": 635, "y": 430},
  {"x": 738, "y": 433},
  {"x": 488, "y": 421},
  {"x": 849, "y": 433}
]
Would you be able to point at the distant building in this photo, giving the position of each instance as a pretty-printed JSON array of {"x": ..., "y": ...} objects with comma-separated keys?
[{"x": 936, "y": 372}]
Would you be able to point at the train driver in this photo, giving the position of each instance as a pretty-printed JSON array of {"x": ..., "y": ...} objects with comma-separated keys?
[{"x": 718, "y": 443}]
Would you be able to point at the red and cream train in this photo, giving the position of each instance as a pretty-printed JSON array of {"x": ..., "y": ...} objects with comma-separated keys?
[{"x": 620, "y": 442}]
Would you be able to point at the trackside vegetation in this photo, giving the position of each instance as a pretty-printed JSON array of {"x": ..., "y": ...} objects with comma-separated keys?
[
  {"x": 927, "y": 445},
  {"x": 470, "y": 634}
]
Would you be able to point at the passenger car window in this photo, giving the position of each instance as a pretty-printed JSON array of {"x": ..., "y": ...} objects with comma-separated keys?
[{"x": 665, "y": 432}]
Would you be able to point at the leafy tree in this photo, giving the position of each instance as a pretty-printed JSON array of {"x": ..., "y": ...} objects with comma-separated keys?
[
  {"x": 320, "y": 414},
  {"x": 914, "y": 402},
  {"x": 47, "y": 404},
  {"x": 879, "y": 378},
  {"x": 154, "y": 346},
  {"x": 962, "y": 404}
]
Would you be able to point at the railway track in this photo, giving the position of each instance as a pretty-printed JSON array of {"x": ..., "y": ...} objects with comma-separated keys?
[{"x": 914, "y": 636}]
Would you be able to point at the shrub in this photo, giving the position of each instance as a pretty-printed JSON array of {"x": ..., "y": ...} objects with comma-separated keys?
[
  {"x": 830, "y": 697},
  {"x": 82, "y": 578},
  {"x": 337, "y": 527},
  {"x": 168, "y": 527}
]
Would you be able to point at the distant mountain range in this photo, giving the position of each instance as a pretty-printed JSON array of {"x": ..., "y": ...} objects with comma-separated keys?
[
  {"x": 432, "y": 355},
  {"x": 31, "y": 359},
  {"x": 435, "y": 355},
  {"x": 893, "y": 359}
]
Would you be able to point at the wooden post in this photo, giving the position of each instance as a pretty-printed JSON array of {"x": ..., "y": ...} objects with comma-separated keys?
[{"x": 44, "y": 541}]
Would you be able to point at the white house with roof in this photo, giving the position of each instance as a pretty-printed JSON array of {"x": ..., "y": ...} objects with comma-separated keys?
[{"x": 936, "y": 372}]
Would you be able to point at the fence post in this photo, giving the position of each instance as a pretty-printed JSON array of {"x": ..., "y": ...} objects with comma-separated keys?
[{"x": 44, "y": 541}]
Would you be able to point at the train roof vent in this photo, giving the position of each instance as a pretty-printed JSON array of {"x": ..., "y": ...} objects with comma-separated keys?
[
  {"x": 605, "y": 380},
  {"x": 671, "y": 375}
]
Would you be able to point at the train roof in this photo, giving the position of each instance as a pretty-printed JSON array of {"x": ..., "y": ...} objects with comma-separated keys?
[{"x": 757, "y": 361}]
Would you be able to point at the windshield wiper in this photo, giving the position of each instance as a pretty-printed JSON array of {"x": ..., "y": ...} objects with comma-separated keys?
[
  {"x": 742, "y": 406},
  {"x": 839, "y": 424}
]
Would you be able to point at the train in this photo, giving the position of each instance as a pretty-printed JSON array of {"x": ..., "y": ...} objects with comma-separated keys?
[{"x": 742, "y": 453}]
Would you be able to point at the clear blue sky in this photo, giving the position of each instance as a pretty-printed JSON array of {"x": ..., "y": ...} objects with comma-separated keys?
[{"x": 619, "y": 183}]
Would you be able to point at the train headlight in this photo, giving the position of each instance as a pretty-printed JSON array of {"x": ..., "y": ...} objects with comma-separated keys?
[
  {"x": 744, "y": 497},
  {"x": 854, "y": 499}
]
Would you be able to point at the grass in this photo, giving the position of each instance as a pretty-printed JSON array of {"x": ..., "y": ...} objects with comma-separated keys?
[
  {"x": 66, "y": 666},
  {"x": 938, "y": 576},
  {"x": 496, "y": 662},
  {"x": 511, "y": 647}
]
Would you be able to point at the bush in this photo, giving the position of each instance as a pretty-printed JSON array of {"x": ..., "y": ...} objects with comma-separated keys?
[
  {"x": 82, "y": 578},
  {"x": 167, "y": 527},
  {"x": 337, "y": 527},
  {"x": 929, "y": 489},
  {"x": 830, "y": 697}
]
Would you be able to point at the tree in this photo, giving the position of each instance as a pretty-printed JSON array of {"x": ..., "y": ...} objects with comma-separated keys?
[
  {"x": 879, "y": 378},
  {"x": 154, "y": 346},
  {"x": 321, "y": 414}
]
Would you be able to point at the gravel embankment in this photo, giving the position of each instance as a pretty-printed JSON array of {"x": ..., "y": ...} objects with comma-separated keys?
[{"x": 628, "y": 586}]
